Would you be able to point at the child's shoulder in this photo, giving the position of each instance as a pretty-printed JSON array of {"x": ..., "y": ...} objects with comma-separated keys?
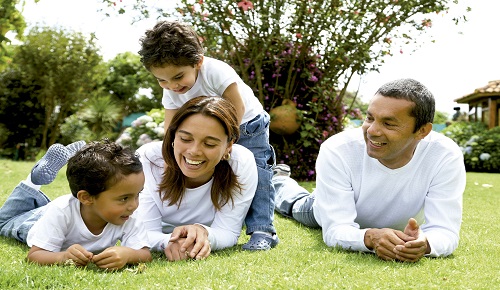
[
  {"x": 210, "y": 63},
  {"x": 64, "y": 201}
]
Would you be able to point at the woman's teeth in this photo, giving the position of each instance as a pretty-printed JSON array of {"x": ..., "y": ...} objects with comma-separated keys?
[{"x": 193, "y": 162}]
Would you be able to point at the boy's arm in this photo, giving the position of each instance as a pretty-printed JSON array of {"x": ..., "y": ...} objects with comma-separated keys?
[
  {"x": 78, "y": 254},
  {"x": 233, "y": 95},
  {"x": 169, "y": 114},
  {"x": 117, "y": 257}
]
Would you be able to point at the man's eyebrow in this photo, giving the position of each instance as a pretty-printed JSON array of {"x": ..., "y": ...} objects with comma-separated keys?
[{"x": 384, "y": 118}]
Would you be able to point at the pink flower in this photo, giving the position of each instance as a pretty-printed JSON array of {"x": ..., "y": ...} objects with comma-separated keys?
[
  {"x": 245, "y": 5},
  {"x": 298, "y": 35},
  {"x": 427, "y": 23}
]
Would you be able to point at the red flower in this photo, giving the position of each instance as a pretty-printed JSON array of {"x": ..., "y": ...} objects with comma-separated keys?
[{"x": 245, "y": 5}]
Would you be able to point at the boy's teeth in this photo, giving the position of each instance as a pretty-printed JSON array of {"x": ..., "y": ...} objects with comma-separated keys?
[{"x": 193, "y": 162}]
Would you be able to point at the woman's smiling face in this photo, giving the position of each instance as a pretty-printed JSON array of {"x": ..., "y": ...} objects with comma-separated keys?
[{"x": 199, "y": 145}]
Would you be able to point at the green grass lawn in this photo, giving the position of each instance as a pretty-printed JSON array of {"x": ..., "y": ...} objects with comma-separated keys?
[{"x": 300, "y": 261}]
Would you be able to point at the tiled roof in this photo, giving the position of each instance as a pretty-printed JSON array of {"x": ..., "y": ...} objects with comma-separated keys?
[{"x": 491, "y": 89}]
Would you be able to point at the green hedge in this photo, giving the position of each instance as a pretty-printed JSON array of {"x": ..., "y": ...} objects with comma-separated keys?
[{"x": 480, "y": 146}]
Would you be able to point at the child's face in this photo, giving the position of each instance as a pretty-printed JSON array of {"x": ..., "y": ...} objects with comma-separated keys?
[
  {"x": 199, "y": 145},
  {"x": 116, "y": 204},
  {"x": 178, "y": 79}
]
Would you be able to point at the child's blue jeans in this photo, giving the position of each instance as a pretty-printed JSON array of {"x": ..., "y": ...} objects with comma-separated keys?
[
  {"x": 294, "y": 201},
  {"x": 23, "y": 208},
  {"x": 254, "y": 135}
]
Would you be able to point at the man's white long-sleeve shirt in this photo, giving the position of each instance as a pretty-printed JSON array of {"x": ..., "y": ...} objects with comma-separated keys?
[{"x": 355, "y": 192}]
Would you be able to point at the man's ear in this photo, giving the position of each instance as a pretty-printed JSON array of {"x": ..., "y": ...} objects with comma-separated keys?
[
  {"x": 424, "y": 130},
  {"x": 85, "y": 198}
]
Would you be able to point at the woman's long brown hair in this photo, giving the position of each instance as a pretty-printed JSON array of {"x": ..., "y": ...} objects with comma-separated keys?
[{"x": 173, "y": 183}]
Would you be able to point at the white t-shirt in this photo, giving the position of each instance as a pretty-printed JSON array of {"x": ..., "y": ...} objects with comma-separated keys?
[
  {"x": 224, "y": 226},
  {"x": 355, "y": 192},
  {"x": 62, "y": 226},
  {"x": 213, "y": 79}
]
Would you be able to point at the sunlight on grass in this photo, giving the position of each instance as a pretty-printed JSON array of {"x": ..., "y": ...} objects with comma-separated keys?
[{"x": 300, "y": 261}]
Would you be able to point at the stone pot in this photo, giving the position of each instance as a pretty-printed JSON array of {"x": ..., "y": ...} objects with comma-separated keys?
[{"x": 285, "y": 118}]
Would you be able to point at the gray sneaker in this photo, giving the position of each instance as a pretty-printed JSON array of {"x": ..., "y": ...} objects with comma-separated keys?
[{"x": 281, "y": 170}]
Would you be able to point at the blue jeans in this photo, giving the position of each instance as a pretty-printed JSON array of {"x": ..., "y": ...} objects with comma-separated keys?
[
  {"x": 254, "y": 135},
  {"x": 294, "y": 201},
  {"x": 22, "y": 209}
]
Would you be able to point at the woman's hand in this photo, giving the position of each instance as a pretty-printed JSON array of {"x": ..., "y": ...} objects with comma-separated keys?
[{"x": 188, "y": 241}]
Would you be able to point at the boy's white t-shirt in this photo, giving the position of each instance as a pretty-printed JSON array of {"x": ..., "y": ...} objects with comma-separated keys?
[
  {"x": 62, "y": 225},
  {"x": 213, "y": 79}
]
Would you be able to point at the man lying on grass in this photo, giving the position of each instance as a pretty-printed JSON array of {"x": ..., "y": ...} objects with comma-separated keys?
[
  {"x": 85, "y": 226},
  {"x": 393, "y": 187}
]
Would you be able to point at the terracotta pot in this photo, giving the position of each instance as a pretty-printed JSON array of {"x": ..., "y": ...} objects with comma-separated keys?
[{"x": 284, "y": 118}]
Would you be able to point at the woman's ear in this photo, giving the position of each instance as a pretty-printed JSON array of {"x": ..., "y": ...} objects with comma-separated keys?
[
  {"x": 229, "y": 148},
  {"x": 85, "y": 198}
]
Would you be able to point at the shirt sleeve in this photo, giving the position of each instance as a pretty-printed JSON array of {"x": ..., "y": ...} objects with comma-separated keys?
[
  {"x": 50, "y": 231},
  {"x": 443, "y": 205},
  {"x": 148, "y": 213},
  {"x": 219, "y": 75},
  {"x": 335, "y": 207},
  {"x": 227, "y": 224},
  {"x": 150, "y": 216},
  {"x": 135, "y": 236}
]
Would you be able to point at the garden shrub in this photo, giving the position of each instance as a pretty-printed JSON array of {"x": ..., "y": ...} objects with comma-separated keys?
[
  {"x": 145, "y": 129},
  {"x": 320, "y": 110},
  {"x": 479, "y": 145}
]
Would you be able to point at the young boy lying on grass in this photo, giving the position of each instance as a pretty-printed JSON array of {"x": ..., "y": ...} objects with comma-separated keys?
[{"x": 85, "y": 226}]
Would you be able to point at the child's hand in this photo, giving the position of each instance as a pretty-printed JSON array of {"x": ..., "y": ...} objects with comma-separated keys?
[
  {"x": 78, "y": 254},
  {"x": 112, "y": 258}
]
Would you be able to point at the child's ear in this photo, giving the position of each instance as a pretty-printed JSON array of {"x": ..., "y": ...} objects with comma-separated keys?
[
  {"x": 85, "y": 198},
  {"x": 198, "y": 65}
]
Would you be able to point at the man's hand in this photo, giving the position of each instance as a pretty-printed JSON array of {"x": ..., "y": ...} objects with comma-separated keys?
[
  {"x": 415, "y": 247},
  {"x": 188, "y": 241},
  {"x": 383, "y": 241}
]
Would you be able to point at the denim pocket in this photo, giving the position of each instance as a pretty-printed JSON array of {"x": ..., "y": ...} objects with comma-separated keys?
[{"x": 257, "y": 126}]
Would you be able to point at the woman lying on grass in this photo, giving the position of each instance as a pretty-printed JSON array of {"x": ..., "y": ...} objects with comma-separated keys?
[{"x": 199, "y": 184}]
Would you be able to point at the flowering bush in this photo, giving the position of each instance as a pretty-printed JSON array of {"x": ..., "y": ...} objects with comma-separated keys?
[
  {"x": 479, "y": 145},
  {"x": 145, "y": 129},
  {"x": 302, "y": 51},
  {"x": 320, "y": 110}
]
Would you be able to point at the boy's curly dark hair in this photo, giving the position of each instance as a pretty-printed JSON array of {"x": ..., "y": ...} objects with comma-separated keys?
[
  {"x": 170, "y": 43},
  {"x": 99, "y": 165}
]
